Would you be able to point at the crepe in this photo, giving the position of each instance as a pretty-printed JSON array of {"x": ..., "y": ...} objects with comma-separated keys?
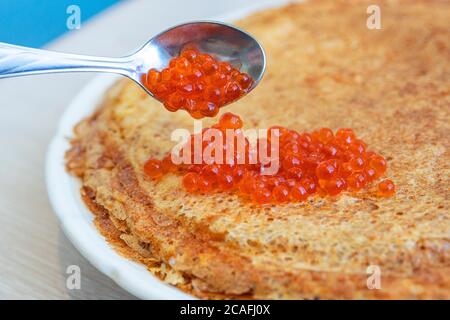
[{"x": 325, "y": 68}]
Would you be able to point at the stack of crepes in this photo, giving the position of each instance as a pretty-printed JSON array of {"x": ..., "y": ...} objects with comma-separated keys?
[{"x": 326, "y": 68}]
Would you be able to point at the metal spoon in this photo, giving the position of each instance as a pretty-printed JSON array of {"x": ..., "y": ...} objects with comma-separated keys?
[{"x": 223, "y": 41}]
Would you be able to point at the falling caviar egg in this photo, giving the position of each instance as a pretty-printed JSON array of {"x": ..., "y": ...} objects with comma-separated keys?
[
  {"x": 197, "y": 83},
  {"x": 320, "y": 163}
]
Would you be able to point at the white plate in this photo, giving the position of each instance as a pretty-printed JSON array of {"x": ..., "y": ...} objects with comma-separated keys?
[{"x": 75, "y": 218}]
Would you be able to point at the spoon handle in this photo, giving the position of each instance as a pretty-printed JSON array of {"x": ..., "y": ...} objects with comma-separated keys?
[{"x": 20, "y": 61}]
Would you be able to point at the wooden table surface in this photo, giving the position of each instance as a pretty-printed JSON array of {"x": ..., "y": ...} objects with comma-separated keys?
[{"x": 34, "y": 252}]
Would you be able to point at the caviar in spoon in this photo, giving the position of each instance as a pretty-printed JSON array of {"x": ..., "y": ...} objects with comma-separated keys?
[{"x": 197, "y": 83}]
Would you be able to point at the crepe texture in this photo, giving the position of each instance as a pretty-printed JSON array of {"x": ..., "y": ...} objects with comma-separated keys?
[{"x": 325, "y": 68}]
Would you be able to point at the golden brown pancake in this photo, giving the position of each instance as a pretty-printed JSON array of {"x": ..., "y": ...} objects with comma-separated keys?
[{"x": 325, "y": 69}]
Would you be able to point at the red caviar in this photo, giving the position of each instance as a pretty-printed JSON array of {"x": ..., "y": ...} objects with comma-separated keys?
[
  {"x": 153, "y": 168},
  {"x": 320, "y": 162},
  {"x": 386, "y": 188},
  {"x": 198, "y": 83}
]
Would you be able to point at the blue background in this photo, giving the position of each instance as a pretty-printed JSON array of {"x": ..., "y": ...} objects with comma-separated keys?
[{"x": 34, "y": 23}]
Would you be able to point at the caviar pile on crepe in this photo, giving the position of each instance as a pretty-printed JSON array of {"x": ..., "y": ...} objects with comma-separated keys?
[{"x": 319, "y": 162}]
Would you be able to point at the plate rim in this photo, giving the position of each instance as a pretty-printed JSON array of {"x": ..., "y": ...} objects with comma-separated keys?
[
  {"x": 76, "y": 219},
  {"x": 71, "y": 210}
]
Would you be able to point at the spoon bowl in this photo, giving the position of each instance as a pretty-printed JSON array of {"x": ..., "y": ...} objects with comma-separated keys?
[{"x": 223, "y": 41}]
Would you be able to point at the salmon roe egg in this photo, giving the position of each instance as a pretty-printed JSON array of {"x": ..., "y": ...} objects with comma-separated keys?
[
  {"x": 357, "y": 180},
  {"x": 280, "y": 193},
  {"x": 326, "y": 170},
  {"x": 378, "y": 163},
  {"x": 299, "y": 192},
  {"x": 197, "y": 83},
  {"x": 190, "y": 181},
  {"x": 262, "y": 195},
  {"x": 153, "y": 168},
  {"x": 230, "y": 121},
  {"x": 386, "y": 188},
  {"x": 319, "y": 163}
]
